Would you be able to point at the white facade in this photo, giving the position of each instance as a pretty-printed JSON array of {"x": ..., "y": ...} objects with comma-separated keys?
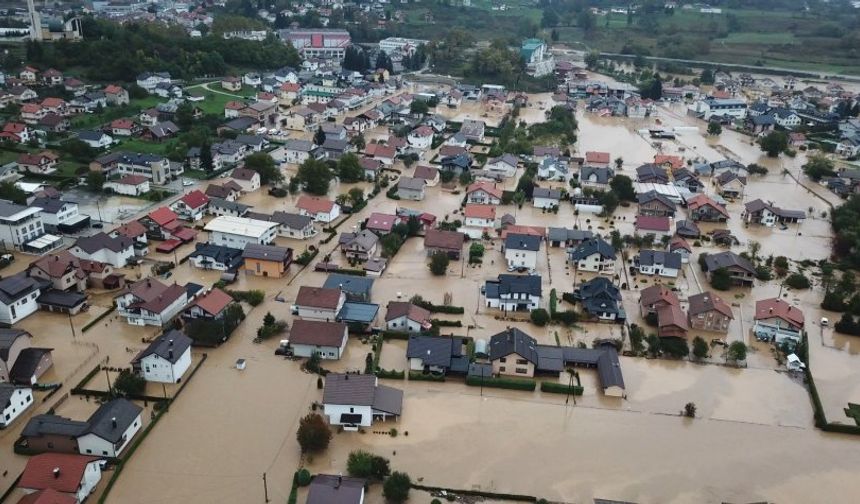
[
  {"x": 334, "y": 412},
  {"x": 249, "y": 185},
  {"x": 21, "y": 227},
  {"x": 326, "y": 217},
  {"x": 103, "y": 141},
  {"x": 236, "y": 232},
  {"x": 68, "y": 214},
  {"x": 116, "y": 259},
  {"x": 143, "y": 317},
  {"x": 596, "y": 263},
  {"x": 90, "y": 444},
  {"x": 404, "y": 324},
  {"x": 325, "y": 352},
  {"x": 539, "y": 202},
  {"x": 418, "y": 141},
  {"x": 155, "y": 368},
  {"x": 514, "y": 302},
  {"x": 482, "y": 197},
  {"x": 659, "y": 270},
  {"x": 19, "y": 309},
  {"x": 22, "y": 398},
  {"x": 128, "y": 189},
  {"x": 710, "y": 107},
  {"x": 521, "y": 258},
  {"x": 501, "y": 167}
]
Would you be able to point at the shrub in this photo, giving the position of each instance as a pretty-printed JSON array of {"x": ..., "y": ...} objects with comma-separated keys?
[
  {"x": 313, "y": 434},
  {"x": 798, "y": 281},
  {"x": 700, "y": 348},
  {"x": 721, "y": 279},
  {"x": 252, "y": 297},
  {"x": 539, "y": 317},
  {"x": 396, "y": 487},
  {"x": 303, "y": 477},
  {"x": 690, "y": 410},
  {"x": 567, "y": 317},
  {"x": 439, "y": 263},
  {"x": 129, "y": 384},
  {"x": 737, "y": 351},
  {"x": 427, "y": 305},
  {"x": 560, "y": 388},
  {"x": 675, "y": 347},
  {"x": 503, "y": 383},
  {"x": 362, "y": 464}
]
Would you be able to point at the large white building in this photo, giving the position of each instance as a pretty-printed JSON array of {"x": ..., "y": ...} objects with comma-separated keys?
[
  {"x": 318, "y": 42},
  {"x": 18, "y": 294},
  {"x": 22, "y": 228},
  {"x": 720, "y": 107},
  {"x": 236, "y": 232},
  {"x": 395, "y": 45},
  {"x": 539, "y": 61}
]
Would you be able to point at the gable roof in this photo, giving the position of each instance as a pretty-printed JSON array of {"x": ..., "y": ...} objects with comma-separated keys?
[
  {"x": 317, "y": 333},
  {"x": 214, "y": 301},
  {"x": 702, "y": 200},
  {"x": 513, "y": 341},
  {"x": 480, "y": 211},
  {"x": 266, "y": 252},
  {"x": 318, "y": 297},
  {"x": 728, "y": 259},
  {"x": 653, "y": 223},
  {"x": 543, "y": 192},
  {"x": 315, "y": 204},
  {"x": 120, "y": 411},
  {"x": 39, "y": 472},
  {"x": 708, "y": 301},
  {"x": 170, "y": 346},
  {"x": 597, "y": 157},
  {"x": 101, "y": 241},
  {"x": 486, "y": 187},
  {"x": 652, "y": 257},
  {"x": 349, "y": 283},
  {"x": 48, "y": 496},
  {"x": 522, "y": 242},
  {"x": 656, "y": 294},
  {"x": 593, "y": 246},
  {"x": 437, "y": 238},
  {"x": 775, "y": 307},
  {"x": 397, "y": 309}
]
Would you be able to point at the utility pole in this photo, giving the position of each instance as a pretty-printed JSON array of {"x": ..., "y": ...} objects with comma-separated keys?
[
  {"x": 72, "y": 325},
  {"x": 265, "y": 487},
  {"x": 107, "y": 375}
]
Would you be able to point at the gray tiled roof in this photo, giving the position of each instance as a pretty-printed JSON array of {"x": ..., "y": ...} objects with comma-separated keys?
[
  {"x": 169, "y": 346},
  {"x": 123, "y": 411}
]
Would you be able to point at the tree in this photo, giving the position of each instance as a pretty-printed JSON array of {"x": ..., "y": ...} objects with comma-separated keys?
[
  {"x": 773, "y": 143},
  {"x": 349, "y": 169},
  {"x": 619, "y": 162},
  {"x": 700, "y": 348},
  {"x": 9, "y": 191},
  {"x": 95, "y": 180},
  {"x": 313, "y": 434},
  {"x": 184, "y": 116},
  {"x": 714, "y": 128},
  {"x": 319, "y": 136},
  {"x": 315, "y": 176},
  {"x": 721, "y": 279},
  {"x": 737, "y": 351},
  {"x": 707, "y": 76},
  {"x": 303, "y": 477},
  {"x": 591, "y": 59},
  {"x": 129, "y": 384},
  {"x": 622, "y": 185},
  {"x": 355, "y": 197},
  {"x": 549, "y": 19},
  {"x": 362, "y": 464},
  {"x": 262, "y": 163},
  {"x": 419, "y": 107},
  {"x": 798, "y": 281},
  {"x": 206, "y": 161},
  {"x": 756, "y": 169},
  {"x": 396, "y": 487},
  {"x": 675, "y": 347},
  {"x": 690, "y": 410},
  {"x": 358, "y": 142},
  {"x": 818, "y": 167},
  {"x": 539, "y": 317},
  {"x": 269, "y": 319},
  {"x": 439, "y": 263}
]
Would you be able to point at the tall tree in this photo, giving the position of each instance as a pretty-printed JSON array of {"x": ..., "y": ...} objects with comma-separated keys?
[
  {"x": 319, "y": 136},
  {"x": 206, "y": 161}
]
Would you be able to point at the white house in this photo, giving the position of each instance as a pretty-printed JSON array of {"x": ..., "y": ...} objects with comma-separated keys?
[
  {"x": 150, "y": 302},
  {"x": 505, "y": 165},
  {"x": 101, "y": 247},
  {"x": 149, "y": 81},
  {"x": 543, "y": 197},
  {"x": 552, "y": 168},
  {"x": 778, "y": 321},
  {"x": 95, "y": 139},
  {"x": 356, "y": 400},
  {"x": 166, "y": 359},
  {"x": 521, "y": 251},
  {"x": 60, "y": 215},
  {"x": 191, "y": 206},
  {"x": 18, "y": 295},
  {"x": 69, "y": 474},
  {"x": 720, "y": 107},
  {"x": 407, "y": 317},
  {"x": 483, "y": 193},
  {"x": 478, "y": 219},
  {"x": 657, "y": 262},
  {"x": 320, "y": 209},
  {"x": 13, "y": 401},
  {"x": 111, "y": 428},
  {"x": 593, "y": 255},
  {"x": 319, "y": 303},
  {"x": 129, "y": 185},
  {"x": 236, "y": 232},
  {"x": 326, "y": 339},
  {"x": 297, "y": 151},
  {"x": 19, "y": 224},
  {"x": 248, "y": 179},
  {"x": 421, "y": 138},
  {"x": 513, "y": 292}
]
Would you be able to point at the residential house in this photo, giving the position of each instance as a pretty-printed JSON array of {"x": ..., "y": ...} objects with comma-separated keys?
[
  {"x": 687, "y": 229},
  {"x": 19, "y": 362},
  {"x": 215, "y": 257},
  {"x": 409, "y": 188},
  {"x": 513, "y": 292},
  {"x": 229, "y": 191},
  {"x": 730, "y": 184},
  {"x": 62, "y": 269},
  {"x": 124, "y": 127},
  {"x": 381, "y": 224},
  {"x": 703, "y": 208},
  {"x": 317, "y": 303},
  {"x": 22, "y": 228},
  {"x": 600, "y": 299},
  {"x": 236, "y": 232},
  {"x": 545, "y": 198},
  {"x": 479, "y": 219},
  {"x": 483, "y": 193},
  {"x": 357, "y": 288},
  {"x": 564, "y": 237},
  {"x": 504, "y": 165},
  {"x": 267, "y": 260},
  {"x": 473, "y": 130},
  {"x": 521, "y": 251},
  {"x": 59, "y": 215},
  {"x": 249, "y": 180},
  {"x": 767, "y": 214},
  {"x": 95, "y": 139},
  {"x": 166, "y": 359},
  {"x": 652, "y": 173},
  {"x": 595, "y": 177},
  {"x": 211, "y": 305},
  {"x": 191, "y": 206},
  {"x": 319, "y": 208},
  {"x": 420, "y": 138},
  {"x": 329, "y": 489},
  {"x": 457, "y": 164},
  {"x": 593, "y": 255},
  {"x": 160, "y": 132},
  {"x": 14, "y": 400},
  {"x": 448, "y": 242},
  {"x": 150, "y": 302},
  {"x": 651, "y": 225},
  {"x": 115, "y": 95},
  {"x": 679, "y": 246},
  {"x": 111, "y": 428},
  {"x": 354, "y": 400},
  {"x": 437, "y": 354},
  {"x": 359, "y": 246},
  {"x": 407, "y": 317},
  {"x": 101, "y": 247},
  {"x": 429, "y": 175},
  {"x": 553, "y": 169},
  {"x": 660, "y": 263},
  {"x": 740, "y": 269},
  {"x": 778, "y": 321},
  {"x": 69, "y": 475},
  {"x": 597, "y": 158},
  {"x": 655, "y": 297},
  {"x": 671, "y": 322},
  {"x": 652, "y": 203},
  {"x": 43, "y": 163},
  {"x": 221, "y": 206},
  {"x": 315, "y": 337},
  {"x": 292, "y": 225},
  {"x": 708, "y": 312}
]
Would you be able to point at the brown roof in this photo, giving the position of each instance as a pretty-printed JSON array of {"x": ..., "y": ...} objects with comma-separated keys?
[
  {"x": 318, "y": 297},
  {"x": 436, "y": 238},
  {"x": 701, "y": 200},
  {"x": 486, "y": 187},
  {"x": 214, "y": 301},
  {"x": 48, "y": 496},
  {"x": 397, "y": 309},
  {"x": 58, "y": 264},
  {"x": 775, "y": 307},
  {"x": 671, "y": 315},
  {"x": 243, "y": 174},
  {"x": 596, "y": 157},
  {"x": 133, "y": 180},
  {"x": 425, "y": 172},
  {"x": 315, "y": 332},
  {"x": 39, "y": 473},
  {"x": 657, "y": 294},
  {"x": 480, "y": 211},
  {"x": 314, "y": 204},
  {"x": 132, "y": 229},
  {"x": 707, "y": 301}
]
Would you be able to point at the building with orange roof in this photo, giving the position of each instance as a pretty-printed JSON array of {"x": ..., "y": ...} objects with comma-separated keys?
[{"x": 68, "y": 474}]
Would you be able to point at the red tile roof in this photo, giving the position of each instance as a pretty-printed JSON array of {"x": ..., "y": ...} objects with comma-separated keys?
[
  {"x": 39, "y": 473},
  {"x": 122, "y": 124},
  {"x": 52, "y": 102},
  {"x": 701, "y": 200},
  {"x": 318, "y": 333},
  {"x": 652, "y": 223},
  {"x": 486, "y": 187},
  {"x": 397, "y": 309},
  {"x": 315, "y": 204},
  {"x": 675, "y": 161},
  {"x": 597, "y": 157},
  {"x": 195, "y": 199},
  {"x": 318, "y": 297},
  {"x": 480, "y": 211},
  {"x": 214, "y": 301},
  {"x": 48, "y": 496},
  {"x": 423, "y": 131},
  {"x": 775, "y": 307},
  {"x": 113, "y": 89},
  {"x": 163, "y": 216},
  {"x": 133, "y": 180},
  {"x": 381, "y": 222}
]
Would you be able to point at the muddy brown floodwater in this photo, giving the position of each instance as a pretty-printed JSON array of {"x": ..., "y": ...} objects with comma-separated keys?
[{"x": 753, "y": 439}]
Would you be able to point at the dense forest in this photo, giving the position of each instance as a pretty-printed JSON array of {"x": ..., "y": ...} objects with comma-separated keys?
[{"x": 111, "y": 52}]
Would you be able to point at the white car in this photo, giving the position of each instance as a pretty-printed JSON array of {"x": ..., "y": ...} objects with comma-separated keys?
[{"x": 187, "y": 183}]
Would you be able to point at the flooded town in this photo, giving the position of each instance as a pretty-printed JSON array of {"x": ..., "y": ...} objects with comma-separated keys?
[{"x": 609, "y": 282}]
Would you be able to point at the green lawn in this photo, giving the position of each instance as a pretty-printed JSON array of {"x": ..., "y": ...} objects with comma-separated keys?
[
  {"x": 759, "y": 38},
  {"x": 140, "y": 145}
]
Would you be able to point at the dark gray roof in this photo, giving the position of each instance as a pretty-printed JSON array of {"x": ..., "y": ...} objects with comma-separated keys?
[
  {"x": 543, "y": 192},
  {"x": 8, "y": 208},
  {"x": 668, "y": 259},
  {"x": 602, "y": 174},
  {"x": 46, "y": 425},
  {"x": 101, "y": 240},
  {"x": 651, "y": 172},
  {"x": 7, "y": 338},
  {"x": 508, "y": 284},
  {"x": 727, "y": 259},
  {"x": 388, "y": 399},
  {"x": 299, "y": 145},
  {"x": 649, "y": 196},
  {"x": 522, "y": 242},
  {"x": 169, "y": 346},
  {"x": 349, "y": 283},
  {"x": 599, "y": 295},
  {"x": 225, "y": 255},
  {"x": 266, "y": 252},
  {"x": 91, "y": 135},
  {"x": 351, "y": 389},
  {"x": 565, "y": 234},
  {"x": 291, "y": 220},
  {"x": 687, "y": 228},
  {"x": 59, "y": 298},
  {"x": 15, "y": 287},
  {"x": 6, "y": 391},
  {"x": 410, "y": 183},
  {"x": 595, "y": 246},
  {"x": 50, "y": 205},
  {"x": 330, "y": 489},
  {"x": 240, "y": 123},
  {"x": 362, "y": 313},
  {"x": 101, "y": 422},
  {"x": 434, "y": 350},
  {"x": 232, "y": 206},
  {"x": 511, "y": 341},
  {"x": 335, "y": 145},
  {"x": 26, "y": 364}
]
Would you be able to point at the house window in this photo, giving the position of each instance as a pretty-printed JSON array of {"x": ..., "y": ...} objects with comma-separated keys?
[
  {"x": 521, "y": 361},
  {"x": 502, "y": 369},
  {"x": 522, "y": 370},
  {"x": 503, "y": 359}
]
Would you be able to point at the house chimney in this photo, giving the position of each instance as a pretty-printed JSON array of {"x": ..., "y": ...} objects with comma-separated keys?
[
  {"x": 170, "y": 342},
  {"x": 770, "y": 310},
  {"x": 113, "y": 422},
  {"x": 346, "y": 377},
  {"x": 56, "y": 472},
  {"x": 170, "y": 354}
]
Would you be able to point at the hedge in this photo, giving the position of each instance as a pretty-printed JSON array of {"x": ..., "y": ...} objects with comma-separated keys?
[
  {"x": 392, "y": 374},
  {"x": 398, "y": 335},
  {"x": 568, "y": 296},
  {"x": 446, "y": 323},
  {"x": 351, "y": 272},
  {"x": 427, "y": 305},
  {"x": 818, "y": 409},
  {"x": 419, "y": 376},
  {"x": 560, "y": 388},
  {"x": 504, "y": 383},
  {"x": 477, "y": 493}
]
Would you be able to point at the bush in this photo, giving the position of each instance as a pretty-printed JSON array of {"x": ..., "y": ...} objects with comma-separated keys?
[
  {"x": 419, "y": 376},
  {"x": 721, "y": 279},
  {"x": 396, "y": 487},
  {"x": 427, "y": 305},
  {"x": 362, "y": 464},
  {"x": 129, "y": 384},
  {"x": 567, "y": 317},
  {"x": 675, "y": 347},
  {"x": 539, "y": 317},
  {"x": 303, "y": 477},
  {"x": 503, "y": 383},
  {"x": 446, "y": 323},
  {"x": 737, "y": 351},
  {"x": 700, "y": 348},
  {"x": 560, "y": 388},
  {"x": 439, "y": 263},
  {"x": 798, "y": 281},
  {"x": 306, "y": 257},
  {"x": 252, "y": 297},
  {"x": 392, "y": 374},
  {"x": 690, "y": 410},
  {"x": 313, "y": 434}
]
